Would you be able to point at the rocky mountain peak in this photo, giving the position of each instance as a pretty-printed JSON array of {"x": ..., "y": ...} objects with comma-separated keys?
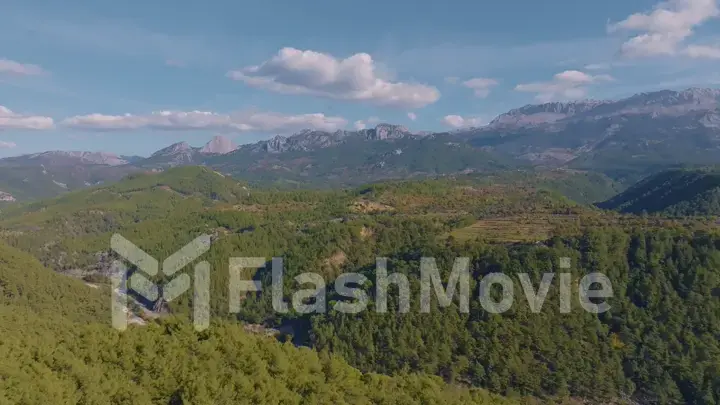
[
  {"x": 701, "y": 93},
  {"x": 534, "y": 114},
  {"x": 699, "y": 96},
  {"x": 103, "y": 158},
  {"x": 79, "y": 157},
  {"x": 219, "y": 145},
  {"x": 387, "y": 131},
  {"x": 711, "y": 119},
  {"x": 654, "y": 104},
  {"x": 174, "y": 149},
  {"x": 309, "y": 139}
]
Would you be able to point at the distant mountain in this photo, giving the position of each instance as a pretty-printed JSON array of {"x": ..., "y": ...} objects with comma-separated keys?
[
  {"x": 532, "y": 115},
  {"x": 311, "y": 140},
  {"x": 132, "y": 159},
  {"x": 177, "y": 154},
  {"x": 625, "y": 139},
  {"x": 680, "y": 192},
  {"x": 655, "y": 104},
  {"x": 182, "y": 154},
  {"x": 48, "y": 174},
  {"x": 334, "y": 158},
  {"x": 352, "y": 158},
  {"x": 219, "y": 145},
  {"x": 65, "y": 158}
]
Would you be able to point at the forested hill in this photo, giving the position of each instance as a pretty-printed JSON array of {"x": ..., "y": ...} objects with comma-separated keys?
[
  {"x": 680, "y": 192},
  {"x": 657, "y": 345},
  {"x": 58, "y": 348},
  {"x": 25, "y": 284}
]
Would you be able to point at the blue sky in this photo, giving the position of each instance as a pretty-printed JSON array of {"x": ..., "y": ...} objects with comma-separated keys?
[{"x": 134, "y": 76}]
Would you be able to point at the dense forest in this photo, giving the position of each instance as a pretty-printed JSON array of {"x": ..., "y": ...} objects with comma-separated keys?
[
  {"x": 57, "y": 347},
  {"x": 657, "y": 344},
  {"x": 679, "y": 192}
]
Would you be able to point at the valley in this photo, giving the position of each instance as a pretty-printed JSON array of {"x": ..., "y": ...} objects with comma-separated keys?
[
  {"x": 377, "y": 203},
  {"x": 509, "y": 223},
  {"x": 602, "y": 184}
]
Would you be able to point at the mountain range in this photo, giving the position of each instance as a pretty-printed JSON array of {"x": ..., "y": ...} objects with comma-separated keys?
[{"x": 625, "y": 139}]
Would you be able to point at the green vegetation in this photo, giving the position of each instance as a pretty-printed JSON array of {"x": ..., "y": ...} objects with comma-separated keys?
[
  {"x": 658, "y": 343},
  {"x": 33, "y": 181},
  {"x": 358, "y": 161},
  {"x": 57, "y": 348},
  {"x": 530, "y": 228},
  {"x": 681, "y": 192},
  {"x": 26, "y": 285}
]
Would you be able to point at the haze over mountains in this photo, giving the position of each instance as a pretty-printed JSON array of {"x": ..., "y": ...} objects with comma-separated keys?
[{"x": 624, "y": 139}]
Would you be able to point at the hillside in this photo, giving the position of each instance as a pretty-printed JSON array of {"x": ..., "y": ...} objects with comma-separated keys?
[
  {"x": 26, "y": 183},
  {"x": 74, "y": 229},
  {"x": 57, "y": 347},
  {"x": 673, "y": 192},
  {"x": 26, "y": 284},
  {"x": 666, "y": 287},
  {"x": 504, "y": 223}
]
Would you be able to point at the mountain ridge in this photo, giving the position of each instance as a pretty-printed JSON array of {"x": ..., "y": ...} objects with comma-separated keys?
[
  {"x": 670, "y": 102},
  {"x": 664, "y": 102},
  {"x": 625, "y": 139}
]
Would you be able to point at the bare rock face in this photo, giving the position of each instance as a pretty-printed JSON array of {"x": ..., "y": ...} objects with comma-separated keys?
[
  {"x": 544, "y": 113},
  {"x": 658, "y": 104},
  {"x": 6, "y": 196},
  {"x": 219, "y": 145},
  {"x": 387, "y": 131},
  {"x": 66, "y": 158},
  {"x": 174, "y": 149},
  {"x": 310, "y": 140},
  {"x": 177, "y": 154}
]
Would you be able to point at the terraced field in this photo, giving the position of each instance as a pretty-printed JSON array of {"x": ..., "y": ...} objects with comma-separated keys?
[{"x": 514, "y": 228}]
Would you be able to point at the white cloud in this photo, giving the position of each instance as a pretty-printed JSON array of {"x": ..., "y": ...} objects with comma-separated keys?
[
  {"x": 457, "y": 121},
  {"x": 7, "y": 145},
  {"x": 293, "y": 71},
  {"x": 481, "y": 86},
  {"x": 609, "y": 65},
  {"x": 202, "y": 120},
  {"x": 21, "y": 69},
  {"x": 570, "y": 84},
  {"x": 665, "y": 28},
  {"x": 412, "y": 116},
  {"x": 12, "y": 120},
  {"x": 703, "y": 51},
  {"x": 362, "y": 124}
]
